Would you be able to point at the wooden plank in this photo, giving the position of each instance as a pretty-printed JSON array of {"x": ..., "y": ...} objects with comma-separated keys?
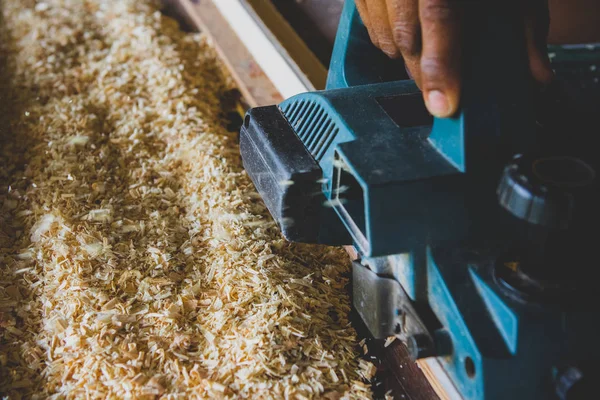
[
  {"x": 323, "y": 14},
  {"x": 410, "y": 374},
  {"x": 439, "y": 380},
  {"x": 265, "y": 47},
  {"x": 255, "y": 32},
  {"x": 256, "y": 87},
  {"x": 289, "y": 44},
  {"x": 315, "y": 22}
]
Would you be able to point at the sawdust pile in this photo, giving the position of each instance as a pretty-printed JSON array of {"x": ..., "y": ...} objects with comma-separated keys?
[{"x": 136, "y": 258}]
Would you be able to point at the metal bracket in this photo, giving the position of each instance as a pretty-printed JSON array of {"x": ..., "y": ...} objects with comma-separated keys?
[
  {"x": 387, "y": 310},
  {"x": 383, "y": 305}
]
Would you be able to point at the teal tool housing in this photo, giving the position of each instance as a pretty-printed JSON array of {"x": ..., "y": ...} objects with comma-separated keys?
[{"x": 473, "y": 232}]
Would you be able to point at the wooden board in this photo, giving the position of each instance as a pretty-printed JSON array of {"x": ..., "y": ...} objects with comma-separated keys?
[
  {"x": 289, "y": 46},
  {"x": 439, "y": 380},
  {"x": 256, "y": 87}
]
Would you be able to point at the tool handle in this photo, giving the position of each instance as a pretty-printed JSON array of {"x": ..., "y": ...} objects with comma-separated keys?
[
  {"x": 355, "y": 61},
  {"x": 496, "y": 114},
  {"x": 496, "y": 108}
]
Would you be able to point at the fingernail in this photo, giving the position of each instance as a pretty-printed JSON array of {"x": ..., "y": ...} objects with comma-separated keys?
[{"x": 437, "y": 103}]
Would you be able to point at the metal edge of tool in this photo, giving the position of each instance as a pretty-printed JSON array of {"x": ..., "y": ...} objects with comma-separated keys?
[
  {"x": 265, "y": 47},
  {"x": 431, "y": 368}
]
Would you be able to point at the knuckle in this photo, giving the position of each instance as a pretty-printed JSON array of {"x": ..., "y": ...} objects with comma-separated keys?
[
  {"x": 405, "y": 37},
  {"x": 433, "y": 67},
  {"x": 388, "y": 47},
  {"x": 391, "y": 53},
  {"x": 439, "y": 11},
  {"x": 373, "y": 38}
]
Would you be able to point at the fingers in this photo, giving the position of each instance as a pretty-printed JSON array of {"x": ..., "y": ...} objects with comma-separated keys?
[
  {"x": 393, "y": 27},
  {"x": 403, "y": 18},
  {"x": 536, "y": 33},
  {"x": 378, "y": 14},
  {"x": 361, "y": 6},
  {"x": 375, "y": 17},
  {"x": 440, "y": 56},
  {"x": 427, "y": 34},
  {"x": 430, "y": 49}
]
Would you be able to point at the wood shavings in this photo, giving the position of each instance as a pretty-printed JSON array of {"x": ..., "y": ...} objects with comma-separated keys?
[
  {"x": 367, "y": 370},
  {"x": 136, "y": 259}
]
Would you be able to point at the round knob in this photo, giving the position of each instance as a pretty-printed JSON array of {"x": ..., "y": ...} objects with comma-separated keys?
[{"x": 540, "y": 190}]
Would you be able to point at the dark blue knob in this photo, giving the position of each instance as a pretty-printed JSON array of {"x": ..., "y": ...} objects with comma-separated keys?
[{"x": 541, "y": 190}]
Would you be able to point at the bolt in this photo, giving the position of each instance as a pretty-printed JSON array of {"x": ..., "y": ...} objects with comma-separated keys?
[{"x": 419, "y": 346}]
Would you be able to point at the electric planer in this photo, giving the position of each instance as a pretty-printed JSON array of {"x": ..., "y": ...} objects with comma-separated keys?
[{"x": 475, "y": 234}]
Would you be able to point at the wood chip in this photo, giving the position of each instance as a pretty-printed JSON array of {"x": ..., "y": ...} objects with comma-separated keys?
[{"x": 136, "y": 258}]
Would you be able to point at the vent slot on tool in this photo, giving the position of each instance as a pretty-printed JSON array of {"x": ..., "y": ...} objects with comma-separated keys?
[{"x": 312, "y": 124}]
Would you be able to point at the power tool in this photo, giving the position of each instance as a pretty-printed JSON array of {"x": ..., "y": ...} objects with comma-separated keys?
[{"x": 475, "y": 234}]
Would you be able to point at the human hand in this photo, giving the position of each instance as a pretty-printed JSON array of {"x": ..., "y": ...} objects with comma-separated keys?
[{"x": 427, "y": 34}]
